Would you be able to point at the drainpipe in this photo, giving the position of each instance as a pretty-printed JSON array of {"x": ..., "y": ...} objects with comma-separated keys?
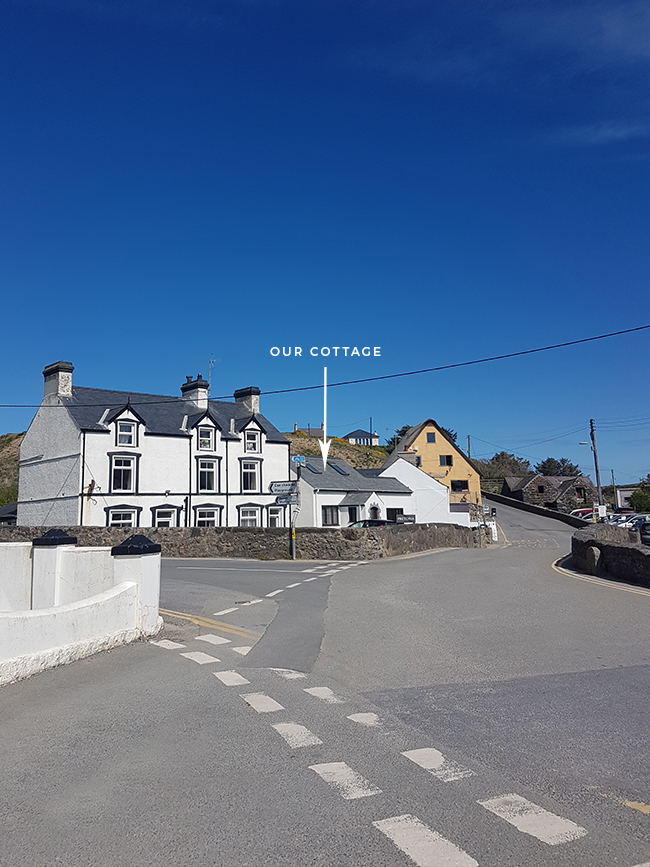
[{"x": 83, "y": 478}]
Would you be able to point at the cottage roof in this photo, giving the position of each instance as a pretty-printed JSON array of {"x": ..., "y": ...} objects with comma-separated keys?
[
  {"x": 359, "y": 433},
  {"x": 517, "y": 483},
  {"x": 161, "y": 414},
  {"x": 353, "y": 480}
]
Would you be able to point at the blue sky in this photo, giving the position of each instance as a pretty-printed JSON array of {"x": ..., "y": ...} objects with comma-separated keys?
[{"x": 208, "y": 179}]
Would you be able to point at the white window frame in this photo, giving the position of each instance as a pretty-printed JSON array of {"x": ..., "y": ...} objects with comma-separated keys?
[
  {"x": 206, "y": 442},
  {"x": 132, "y": 518},
  {"x": 252, "y": 440},
  {"x": 128, "y": 463},
  {"x": 203, "y": 519},
  {"x": 126, "y": 433},
  {"x": 210, "y": 467},
  {"x": 277, "y": 512},
  {"x": 172, "y": 517},
  {"x": 248, "y": 468},
  {"x": 252, "y": 514}
]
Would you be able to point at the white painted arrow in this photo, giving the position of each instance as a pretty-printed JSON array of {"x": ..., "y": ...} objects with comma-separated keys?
[{"x": 325, "y": 445}]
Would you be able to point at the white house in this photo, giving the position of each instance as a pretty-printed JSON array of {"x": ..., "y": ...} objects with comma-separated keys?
[
  {"x": 113, "y": 458},
  {"x": 362, "y": 438}
]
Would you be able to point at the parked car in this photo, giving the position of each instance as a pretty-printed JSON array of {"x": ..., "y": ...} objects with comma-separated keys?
[
  {"x": 644, "y": 530},
  {"x": 372, "y": 522},
  {"x": 582, "y": 513}
]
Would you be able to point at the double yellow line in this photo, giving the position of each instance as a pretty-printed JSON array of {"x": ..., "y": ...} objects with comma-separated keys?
[{"x": 208, "y": 623}]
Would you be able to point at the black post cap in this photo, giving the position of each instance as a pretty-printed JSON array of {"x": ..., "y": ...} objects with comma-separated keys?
[
  {"x": 54, "y": 537},
  {"x": 137, "y": 544}
]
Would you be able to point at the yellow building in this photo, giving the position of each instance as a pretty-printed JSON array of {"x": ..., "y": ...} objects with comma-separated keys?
[{"x": 428, "y": 447}]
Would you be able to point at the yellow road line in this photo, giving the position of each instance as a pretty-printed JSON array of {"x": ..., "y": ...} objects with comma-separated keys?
[
  {"x": 600, "y": 581},
  {"x": 213, "y": 624}
]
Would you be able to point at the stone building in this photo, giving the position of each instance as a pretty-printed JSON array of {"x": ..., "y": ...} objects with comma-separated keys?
[{"x": 564, "y": 493}]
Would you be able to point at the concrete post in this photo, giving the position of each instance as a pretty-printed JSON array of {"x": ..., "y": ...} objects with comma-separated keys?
[
  {"x": 46, "y": 567},
  {"x": 137, "y": 559}
]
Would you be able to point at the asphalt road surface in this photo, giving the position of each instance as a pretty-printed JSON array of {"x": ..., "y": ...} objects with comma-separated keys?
[{"x": 457, "y": 708}]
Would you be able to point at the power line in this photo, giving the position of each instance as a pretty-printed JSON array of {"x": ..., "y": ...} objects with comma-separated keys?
[{"x": 374, "y": 378}]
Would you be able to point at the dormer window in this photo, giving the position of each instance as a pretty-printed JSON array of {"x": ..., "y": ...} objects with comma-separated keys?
[
  {"x": 251, "y": 441},
  {"x": 126, "y": 433},
  {"x": 206, "y": 439}
]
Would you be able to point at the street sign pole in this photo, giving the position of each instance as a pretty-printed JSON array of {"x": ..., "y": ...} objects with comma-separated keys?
[{"x": 293, "y": 513}]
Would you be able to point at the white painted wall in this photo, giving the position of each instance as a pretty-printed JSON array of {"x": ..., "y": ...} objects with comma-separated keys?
[
  {"x": 430, "y": 499},
  {"x": 82, "y": 600}
]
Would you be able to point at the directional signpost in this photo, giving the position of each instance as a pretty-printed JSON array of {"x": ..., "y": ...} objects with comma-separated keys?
[
  {"x": 299, "y": 459},
  {"x": 287, "y": 500},
  {"x": 290, "y": 498},
  {"x": 283, "y": 487}
]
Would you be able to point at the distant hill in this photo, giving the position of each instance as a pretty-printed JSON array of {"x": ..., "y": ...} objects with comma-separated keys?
[
  {"x": 9, "y": 446},
  {"x": 359, "y": 457}
]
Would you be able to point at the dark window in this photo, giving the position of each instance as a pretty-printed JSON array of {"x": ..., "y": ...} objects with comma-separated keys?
[
  {"x": 580, "y": 493},
  {"x": 330, "y": 516},
  {"x": 353, "y": 514},
  {"x": 122, "y": 474},
  {"x": 339, "y": 470},
  {"x": 165, "y": 517},
  {"x": 446, "y": 460},
  {"x": 121, "y": 519},
  {"x": 206, "y": 476},
  {"x": 206, "y": 517},
  {"x": 458, "y": 485},
  {"x": 374, "y": 513},
  {"x": 540, "y": 489},
  {"x": 249, "y": 478},
  {"x": 418, "y": 461},
  {"x": 392, "y": 514},
  {"x": 431, "y": 438}
]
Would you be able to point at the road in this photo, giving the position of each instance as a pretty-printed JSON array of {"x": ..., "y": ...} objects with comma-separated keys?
[{"x": 455, "y": 708}]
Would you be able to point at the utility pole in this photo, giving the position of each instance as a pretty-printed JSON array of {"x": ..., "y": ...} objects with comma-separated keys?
[
  {"x": 614, "y": 486},
  {"x": 469, "y": 446},
  {"x": 593, "y": 448}
]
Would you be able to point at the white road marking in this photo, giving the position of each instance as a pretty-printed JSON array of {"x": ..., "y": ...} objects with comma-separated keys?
[
  {"x": 423, "y": 846},
  {"x": 434, "y": 762},
  {"x": 349, "y": 783},
  {"x": 534, "y": 820},
  {"x": 200, "y": 657},
  {"x": 213, "y": 639},
  {"x": 230, "y": 678},
  {"x": 167, "y": 644},
  {"x": 332, "y": 564},
  {"x": 312, "y": 579},
  {"x": 293, "y": 585},
  {"x": 366, "y": 719},
  {"x": 252, "y": 602},
  {"x": 329, "y": 572},
  {"x": 296, "y": 735},
  {"x": 289, "y": 673},
  {"x": 274, "y": 593},
  {"x": 225, "y": 611},
  {"x": 243, "y": 650},
  {"x": 262, "y": 703},
  {"x": 235, "y": 569},
  {"x": 324, "y": 693}
]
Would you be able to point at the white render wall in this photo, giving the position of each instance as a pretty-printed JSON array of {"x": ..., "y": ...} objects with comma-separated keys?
[
  {"x": 50, "y": 469},
  {"x": 311, "y": 503},
  {"x": 430, "y": 498},
  {"x": 59, "y": 603}
]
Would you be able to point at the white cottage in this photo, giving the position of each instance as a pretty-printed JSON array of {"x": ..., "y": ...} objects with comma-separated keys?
[{"x": 94, "y": 457}]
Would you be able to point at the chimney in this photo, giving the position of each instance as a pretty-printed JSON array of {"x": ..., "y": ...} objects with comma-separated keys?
[
  {"x": 248, "y": 398},
  {"x": 232, "y": 426},
  {"x": 58, "y": 379},
  {"x": 196, "y": 390}
]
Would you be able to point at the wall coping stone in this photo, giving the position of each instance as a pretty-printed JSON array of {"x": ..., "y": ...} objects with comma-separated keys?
[{"x": 54, "y": 537}]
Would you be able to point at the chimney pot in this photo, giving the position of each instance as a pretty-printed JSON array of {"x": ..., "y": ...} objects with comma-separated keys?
[
  {"x": 249, "y": 398},
  {"x": 58, "y": 379},
  {"x": 196, "y": 391}
]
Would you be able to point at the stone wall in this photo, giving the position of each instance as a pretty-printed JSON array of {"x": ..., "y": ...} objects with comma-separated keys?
[
  {"x": 602, "y": 549},
  {"x": 536, "y": 510},
  {"x": 273, "y": 544}
]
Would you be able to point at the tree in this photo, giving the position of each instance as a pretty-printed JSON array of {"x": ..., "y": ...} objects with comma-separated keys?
[
  {"x": 503, "y": 464},
  {"x": 553, "y": 467},
  {"x": 640, "y": 500},
  {"x": 397, "y": 436},
  {"x": 453, "y": 436}
]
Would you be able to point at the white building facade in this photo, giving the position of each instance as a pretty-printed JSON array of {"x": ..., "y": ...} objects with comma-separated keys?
[{"x": 94, "y": 457}]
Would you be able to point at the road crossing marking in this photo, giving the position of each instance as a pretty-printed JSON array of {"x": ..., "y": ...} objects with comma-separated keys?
[
  {"x": 213, "y": 639},
  {"x": 324, "y": 693},
  {"x": 243, "y": 650},
  {"x": 230, "y": 678},
  {"x": 200, "y": 657},
  {"x": 289, "y": 673},
  {"x": 274, "y": 593},
  {"x": 425, "y": 847},
  {"x": 262, "y": 703},
  {"x": 296, "y": 735},
  {"x": 435, "y": 763},
  {"x": 531, "y": 819},
  {"x": 289, "y": 586},
  {"x": 349, "y": 784},
  {"x": 225, "y": 611},
  {"x": 313, "y": 579},
  {"x": 167, "y": 644},
  {"x": 366, "y": 719}
]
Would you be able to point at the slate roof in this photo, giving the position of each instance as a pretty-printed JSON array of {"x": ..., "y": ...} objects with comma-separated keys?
[
  {"x": 516, "y": 483},
  {"x": 331, "y": 480},
  {"x": 161, "y": 414},
  {"x": 359, "y": 433},
  {"x": 411, "y": 435}
]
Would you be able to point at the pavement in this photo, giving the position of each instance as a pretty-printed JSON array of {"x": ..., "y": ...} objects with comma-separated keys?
[{"x": 459, "y": 708}]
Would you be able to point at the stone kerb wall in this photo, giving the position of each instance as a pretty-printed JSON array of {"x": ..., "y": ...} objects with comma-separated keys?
[
  {"x": 273, "y": 544},
  {"x": 602, "y": 549},
  {"x": 536, "y": 510}
]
